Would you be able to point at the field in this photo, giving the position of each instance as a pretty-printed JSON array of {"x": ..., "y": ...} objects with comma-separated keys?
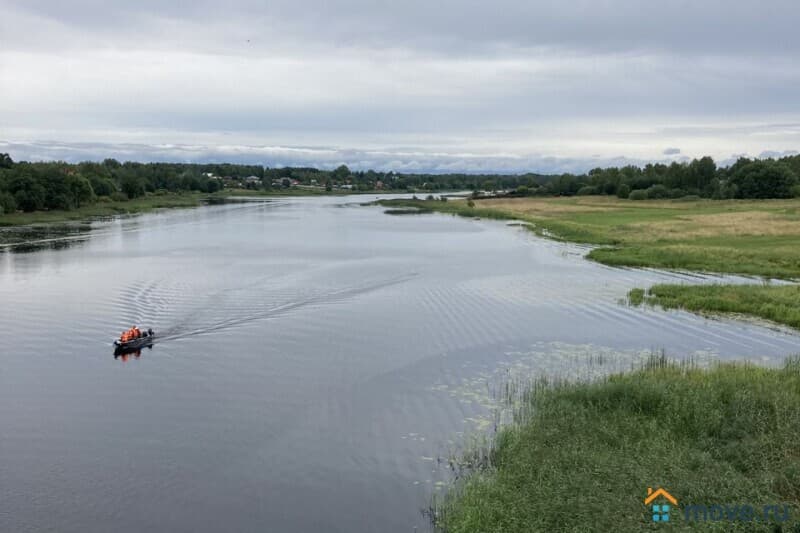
[
  {"x": 583, "y": 456},
  {"x": 759, "y": 238}
]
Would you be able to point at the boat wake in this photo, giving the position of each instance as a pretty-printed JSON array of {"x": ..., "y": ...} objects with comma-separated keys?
[{"x": 239, "y": 306}]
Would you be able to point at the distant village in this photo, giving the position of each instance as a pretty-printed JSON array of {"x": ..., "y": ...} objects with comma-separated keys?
[{"x": 256, "y": 182}]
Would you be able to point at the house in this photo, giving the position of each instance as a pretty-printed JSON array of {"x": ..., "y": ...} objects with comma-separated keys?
[{"x": 252, "y": 179}]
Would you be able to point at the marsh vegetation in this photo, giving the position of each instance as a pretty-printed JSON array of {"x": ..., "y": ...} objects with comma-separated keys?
[{"x": 584, "y": 452}]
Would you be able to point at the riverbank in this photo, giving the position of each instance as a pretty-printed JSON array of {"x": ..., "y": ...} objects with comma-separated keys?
[
  {"x": 758, "y": 238},
  {"x": 580, "y": 457},
  {"x": 755, "y": 238},
  {"x": 105, "y": 209},
  {"x": 156, "y": 201},
  {"x": 776, "y": 303}
]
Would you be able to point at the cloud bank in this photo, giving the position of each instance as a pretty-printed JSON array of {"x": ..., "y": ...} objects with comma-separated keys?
[{"x": 511, "y": 85}]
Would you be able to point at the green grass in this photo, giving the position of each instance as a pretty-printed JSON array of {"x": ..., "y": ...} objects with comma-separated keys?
[
  {"x": 104, "y": 209},
  {"x": 777, "y": 303},
  {"x": 583, "y": 457},
  {"x": 759, "y": 238}
]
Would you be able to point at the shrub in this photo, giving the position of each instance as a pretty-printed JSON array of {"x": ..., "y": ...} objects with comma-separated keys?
[
  {"x": 470, "y": 203},
  {"x": 796, "y": 191},
  {"x": 7, "y": 202},
  {"x": 119, "y": 196},
  {"x": 657, "y": 192},
  {"x": 638, "y": 194},
  {"x": 587, "y": 190},
  {"x": 102, "y": 186},
  {"x": 623, "y": 191}
]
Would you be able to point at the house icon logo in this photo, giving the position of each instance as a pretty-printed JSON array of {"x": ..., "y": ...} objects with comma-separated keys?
[{"x": 660, "y": 509}]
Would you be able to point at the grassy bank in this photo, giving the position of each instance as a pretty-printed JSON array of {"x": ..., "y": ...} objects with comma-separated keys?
[
  {"x": 101, "y": 209},
  {"x": 760, "y": 238},
  {"x": 777, "y": 303},
  {"x": 583, "y": 457}
]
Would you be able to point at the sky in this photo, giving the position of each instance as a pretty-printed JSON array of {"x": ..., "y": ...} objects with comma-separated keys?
[{"x": 412, "y": 85}]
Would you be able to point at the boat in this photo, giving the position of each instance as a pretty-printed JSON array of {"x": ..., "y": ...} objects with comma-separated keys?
[{"x": 144, "y": 341}]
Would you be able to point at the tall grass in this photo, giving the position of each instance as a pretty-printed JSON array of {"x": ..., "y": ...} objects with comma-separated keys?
[
  {"x": 582, "y": 455},
  {"x": 778, "y": 303}
]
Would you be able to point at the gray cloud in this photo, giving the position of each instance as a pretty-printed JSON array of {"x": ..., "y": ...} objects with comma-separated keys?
[
  {"x": 671, "y": 151},
  {"x": 452, "y": 26},
  {"x": 562, "y": 79}
]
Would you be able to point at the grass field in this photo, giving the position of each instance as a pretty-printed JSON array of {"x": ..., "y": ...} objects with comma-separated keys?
[
  {"x": 760, "y": 238},
  {"x": 583, "y": 457}
]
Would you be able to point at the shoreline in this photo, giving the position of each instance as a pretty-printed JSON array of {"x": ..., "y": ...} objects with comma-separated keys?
[
  {"x": 705, "y": 435},
  {"x": 587, "y": 222},
  {"x": 101, "y": 209}
]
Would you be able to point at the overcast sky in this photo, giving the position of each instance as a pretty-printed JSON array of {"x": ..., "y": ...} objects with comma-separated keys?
[{"x": 502, "y": 85}]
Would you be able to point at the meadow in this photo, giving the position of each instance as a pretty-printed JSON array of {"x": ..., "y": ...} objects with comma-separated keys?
[{"x": 751, "y": 237}]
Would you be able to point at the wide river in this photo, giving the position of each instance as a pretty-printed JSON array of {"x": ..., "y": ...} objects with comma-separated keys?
[{"x": 318, "y": 361}]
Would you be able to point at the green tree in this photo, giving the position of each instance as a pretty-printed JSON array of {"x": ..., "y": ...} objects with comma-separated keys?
[
  {"x": 102, "y": 186},
  {"x": 29, "y": 194},
  {"x": 132, "y": 186},
  {"x": 340, "y": 173},
  {"x": 764, "y": 179},
  {"x": 701, "y": 172},
  {"x": 7, "y": 202},
  {"x": 80, "y": 189}
]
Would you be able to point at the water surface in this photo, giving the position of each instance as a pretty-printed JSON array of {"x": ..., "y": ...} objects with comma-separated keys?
[{"x": 317, "y": 360}]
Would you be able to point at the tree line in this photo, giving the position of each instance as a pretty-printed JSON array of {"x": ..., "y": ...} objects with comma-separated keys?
[
  {"x": 746, "y": 178},
  {"x": 29, "y": 186}
]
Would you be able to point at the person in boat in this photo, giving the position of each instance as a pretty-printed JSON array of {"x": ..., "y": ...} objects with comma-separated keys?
[{"x": 129, "y": 335}]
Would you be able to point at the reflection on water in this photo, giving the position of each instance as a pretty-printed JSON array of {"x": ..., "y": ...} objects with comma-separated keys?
[
  {"x": 26, "y": 239},
  {"x": 124, "y": 356},
  {"x": 317, "y": 362}
]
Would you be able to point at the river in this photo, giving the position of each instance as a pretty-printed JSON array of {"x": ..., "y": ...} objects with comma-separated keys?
[{"x": 317, "y": 361}]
